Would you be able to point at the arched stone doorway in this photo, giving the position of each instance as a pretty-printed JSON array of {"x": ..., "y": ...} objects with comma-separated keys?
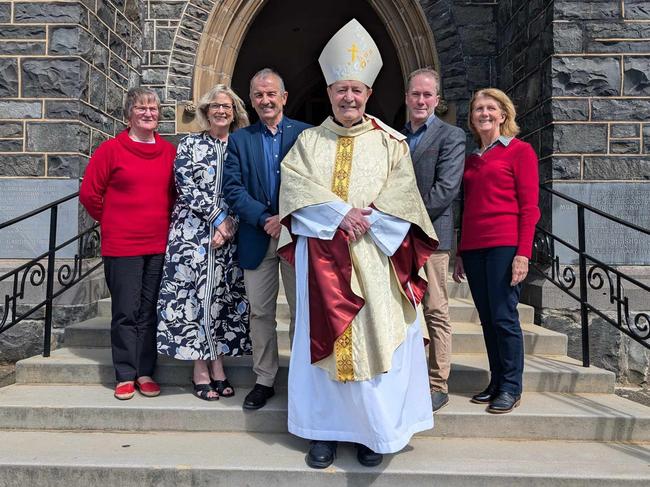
[{"x": 242, "y": 36}]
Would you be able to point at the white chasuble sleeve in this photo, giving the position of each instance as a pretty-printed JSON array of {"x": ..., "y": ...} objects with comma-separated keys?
[
  {"x": 319, "y": 221},
  {"x": 387, "y": 231}
]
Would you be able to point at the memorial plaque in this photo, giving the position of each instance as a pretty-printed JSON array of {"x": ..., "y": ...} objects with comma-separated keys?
[
  {"x": 30, "y": 237},
  {"x": 609, "y": 242}
]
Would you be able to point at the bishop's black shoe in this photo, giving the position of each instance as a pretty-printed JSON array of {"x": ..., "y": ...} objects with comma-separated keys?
[
  {"x": 367, "y": 457},
  {"x": 321, "y": 454}
]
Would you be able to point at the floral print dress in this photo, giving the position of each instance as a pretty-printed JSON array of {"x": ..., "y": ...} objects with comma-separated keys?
[{"x": 202, "y": 306}]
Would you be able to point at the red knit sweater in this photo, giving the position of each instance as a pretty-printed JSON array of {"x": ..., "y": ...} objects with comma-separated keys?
[
  {"x": 501, "y": 196},
  {"x": 128, "y": 188}
]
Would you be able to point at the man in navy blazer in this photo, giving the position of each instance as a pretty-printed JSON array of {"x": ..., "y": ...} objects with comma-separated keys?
[
  {"x": 251, "y": 184},
  {"x": 438, "y": 154}
]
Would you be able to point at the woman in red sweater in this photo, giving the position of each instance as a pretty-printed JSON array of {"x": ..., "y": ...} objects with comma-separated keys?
[
  {"x": 499, "y": 217},
  {"x": 128, "y": 188}
]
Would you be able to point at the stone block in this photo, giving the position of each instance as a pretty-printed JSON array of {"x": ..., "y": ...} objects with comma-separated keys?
[
  {"x": 204, "y": 4},
  {"x": 617, "y": 37},
  {"x": 190, "y": 34},
  {"x": 197, "y": 13},
  {"x": 618, "y": 167},
  {"x": 160, "y": 59},
  {"x": 57, "y": 137},
  {"x": 166, "y": 10},
  {"x": 646, "y": 138},
  {"x": 96, "y": 138},
  {"x": 620, "y": 109},
  {"x": 580, "y": 138},
  {"x": 11, "y": 129},
  {"x": 21, "y": 48},
  {"x": 117, "y": 45},
  {"x": 605, "y": 240},
  {"x": 567, "y": 110},
  {"x": 636, "y": 76},
  {"x": 62, "y": 109},
  {"x": 30, "y": 237},
  {"x": 95, "y": 118},
  {"x": 101, "y": 56},
  {"x": 8, "y": 80},
  {"x": 134, "y": 10},
  {"x": 165, "y": 39},
  {"x": 54, "y": 78},
  {"x": 64, "y": 165},
  {"x": 98, "y": 28},
  {"x": 120, "y": 66},
  {"x": 71, "y": 41},
  {"x": 114, "y": 99},
  {"x": 22, "y": 165},
  {"x": 553, "y": 168},
  {"x": 20, "y": 109},
  {"x": 119, "y": 79},
  {"x": 97, "y": 89},
  {"x": 192, "y": 24},
  {"x": 5, "y": 12},
  {"x": 478, "y": 42},
  {"x": 625, "y": 146},
  {"x": 106, "y": 12},
  {"x": 25, "y": 32},
  {"x": 22, "y": 341},
  {"x": 188, "y": 57},
  {"x": 624, "y": 130},
  {"x": 166, "y": 113},
  {"x": 587, "y": 9},
  {"x": 182, "y": 81},
  {"x": 181, "y": 69},
  {"x": 50, "y": 13},
  {"x": 123, "y": 28},
  {"x": 178, "y": 94},
  {"x": 11, "y": 145},
  {"x": 586, "y": 76},
  {"x": 154, "y": 76},
  {"x": 637, "y": 10},
  {"x": 167, "y": 127}
]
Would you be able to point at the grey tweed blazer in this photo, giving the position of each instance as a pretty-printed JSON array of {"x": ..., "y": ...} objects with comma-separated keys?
[{"x": 438, "y": 161}]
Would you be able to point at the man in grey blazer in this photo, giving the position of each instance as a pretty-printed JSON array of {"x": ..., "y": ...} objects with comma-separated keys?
[{"x": 438, "y": 153}]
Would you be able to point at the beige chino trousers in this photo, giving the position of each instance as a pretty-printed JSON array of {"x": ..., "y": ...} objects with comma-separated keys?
[
  {"x": 436, "y": 315},
  {"x": 262, "y": 285}
]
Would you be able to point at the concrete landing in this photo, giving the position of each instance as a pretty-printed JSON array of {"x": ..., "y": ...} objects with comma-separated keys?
[{"x": 209, "y": 459}]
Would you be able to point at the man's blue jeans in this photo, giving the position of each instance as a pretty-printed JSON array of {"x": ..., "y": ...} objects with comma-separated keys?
[{"x": 489, "y": 272}]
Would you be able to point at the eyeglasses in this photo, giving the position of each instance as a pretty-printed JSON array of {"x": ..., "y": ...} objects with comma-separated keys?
[
  {"x": 143, "y": 110},
  {"x": 227, "y": 107}
]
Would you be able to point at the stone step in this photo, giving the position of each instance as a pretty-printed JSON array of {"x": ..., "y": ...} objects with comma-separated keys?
[
  {"x": 549, "y": 416},
  {"x": 466, "y": 338},
  {"x": 469, "y": 373},
  {"x": 460, "y": 310},
  {"x": 181, "y": 459}
]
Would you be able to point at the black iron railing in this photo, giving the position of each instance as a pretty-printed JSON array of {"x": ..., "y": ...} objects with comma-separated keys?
[
  {"x": 593, "y": 274},
  {"x": 41, "y": 272}
]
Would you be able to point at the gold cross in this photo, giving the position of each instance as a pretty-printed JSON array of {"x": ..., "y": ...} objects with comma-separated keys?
[{"x": 353, "y": 50}]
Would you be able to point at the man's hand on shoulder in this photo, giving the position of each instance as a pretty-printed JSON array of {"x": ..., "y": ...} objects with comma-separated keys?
[
  {"x": 272, "y": 226},
  {"x": 355, "y": 223}
]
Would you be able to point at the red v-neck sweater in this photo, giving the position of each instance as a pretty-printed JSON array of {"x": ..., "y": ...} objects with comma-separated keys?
[
  {"x": 128, "y": 188},
  {"x": 501, "y": 190}
]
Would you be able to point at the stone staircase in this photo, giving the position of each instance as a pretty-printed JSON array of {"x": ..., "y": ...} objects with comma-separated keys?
[{"x": 60, "y": 425}]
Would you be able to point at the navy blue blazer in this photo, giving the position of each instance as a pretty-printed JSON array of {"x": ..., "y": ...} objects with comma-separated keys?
[{"x": 245, "y": 187}]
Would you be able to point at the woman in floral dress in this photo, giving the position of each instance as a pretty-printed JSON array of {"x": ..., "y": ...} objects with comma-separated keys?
[{"x": 202, "y": 305}]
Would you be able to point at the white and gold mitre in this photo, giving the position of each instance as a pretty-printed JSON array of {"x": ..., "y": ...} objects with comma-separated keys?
[{"x": 351, "y": 54}]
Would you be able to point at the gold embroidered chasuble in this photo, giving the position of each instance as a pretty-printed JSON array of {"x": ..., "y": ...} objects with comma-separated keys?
[{"x": 366, "y": 164}]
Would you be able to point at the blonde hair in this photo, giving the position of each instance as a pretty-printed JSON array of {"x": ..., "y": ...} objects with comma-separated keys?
[
  {"x": 509, "y": 127},
  {"x": 240, "y": 117}
]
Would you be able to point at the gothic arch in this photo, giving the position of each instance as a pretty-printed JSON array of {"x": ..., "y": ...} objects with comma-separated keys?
[{"x": 228, "y": 24}]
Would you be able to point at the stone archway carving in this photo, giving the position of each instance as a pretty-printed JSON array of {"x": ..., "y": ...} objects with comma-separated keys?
[{"x": 229, "y": 22}]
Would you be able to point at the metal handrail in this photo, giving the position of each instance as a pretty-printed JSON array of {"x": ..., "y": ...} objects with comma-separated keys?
[
  {"x": 37, "y": 274},
  {"x": 636, "y": 325}
]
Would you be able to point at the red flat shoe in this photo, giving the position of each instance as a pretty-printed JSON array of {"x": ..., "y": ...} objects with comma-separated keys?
[
  {"x": 124, "y": 391},
  {"x": 148, "y": 389}
]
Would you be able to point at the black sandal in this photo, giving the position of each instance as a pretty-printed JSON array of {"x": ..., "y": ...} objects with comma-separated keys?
[
  {"x": 222, "y": 385},
  {"x": 202, "y": 391}
]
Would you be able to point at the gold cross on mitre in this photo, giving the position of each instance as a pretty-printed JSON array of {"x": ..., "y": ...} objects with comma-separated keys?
[{"x": 353, "y": 50}]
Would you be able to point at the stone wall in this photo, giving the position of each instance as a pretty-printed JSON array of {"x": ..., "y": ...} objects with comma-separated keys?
[{"x": 63, "y": 72}]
